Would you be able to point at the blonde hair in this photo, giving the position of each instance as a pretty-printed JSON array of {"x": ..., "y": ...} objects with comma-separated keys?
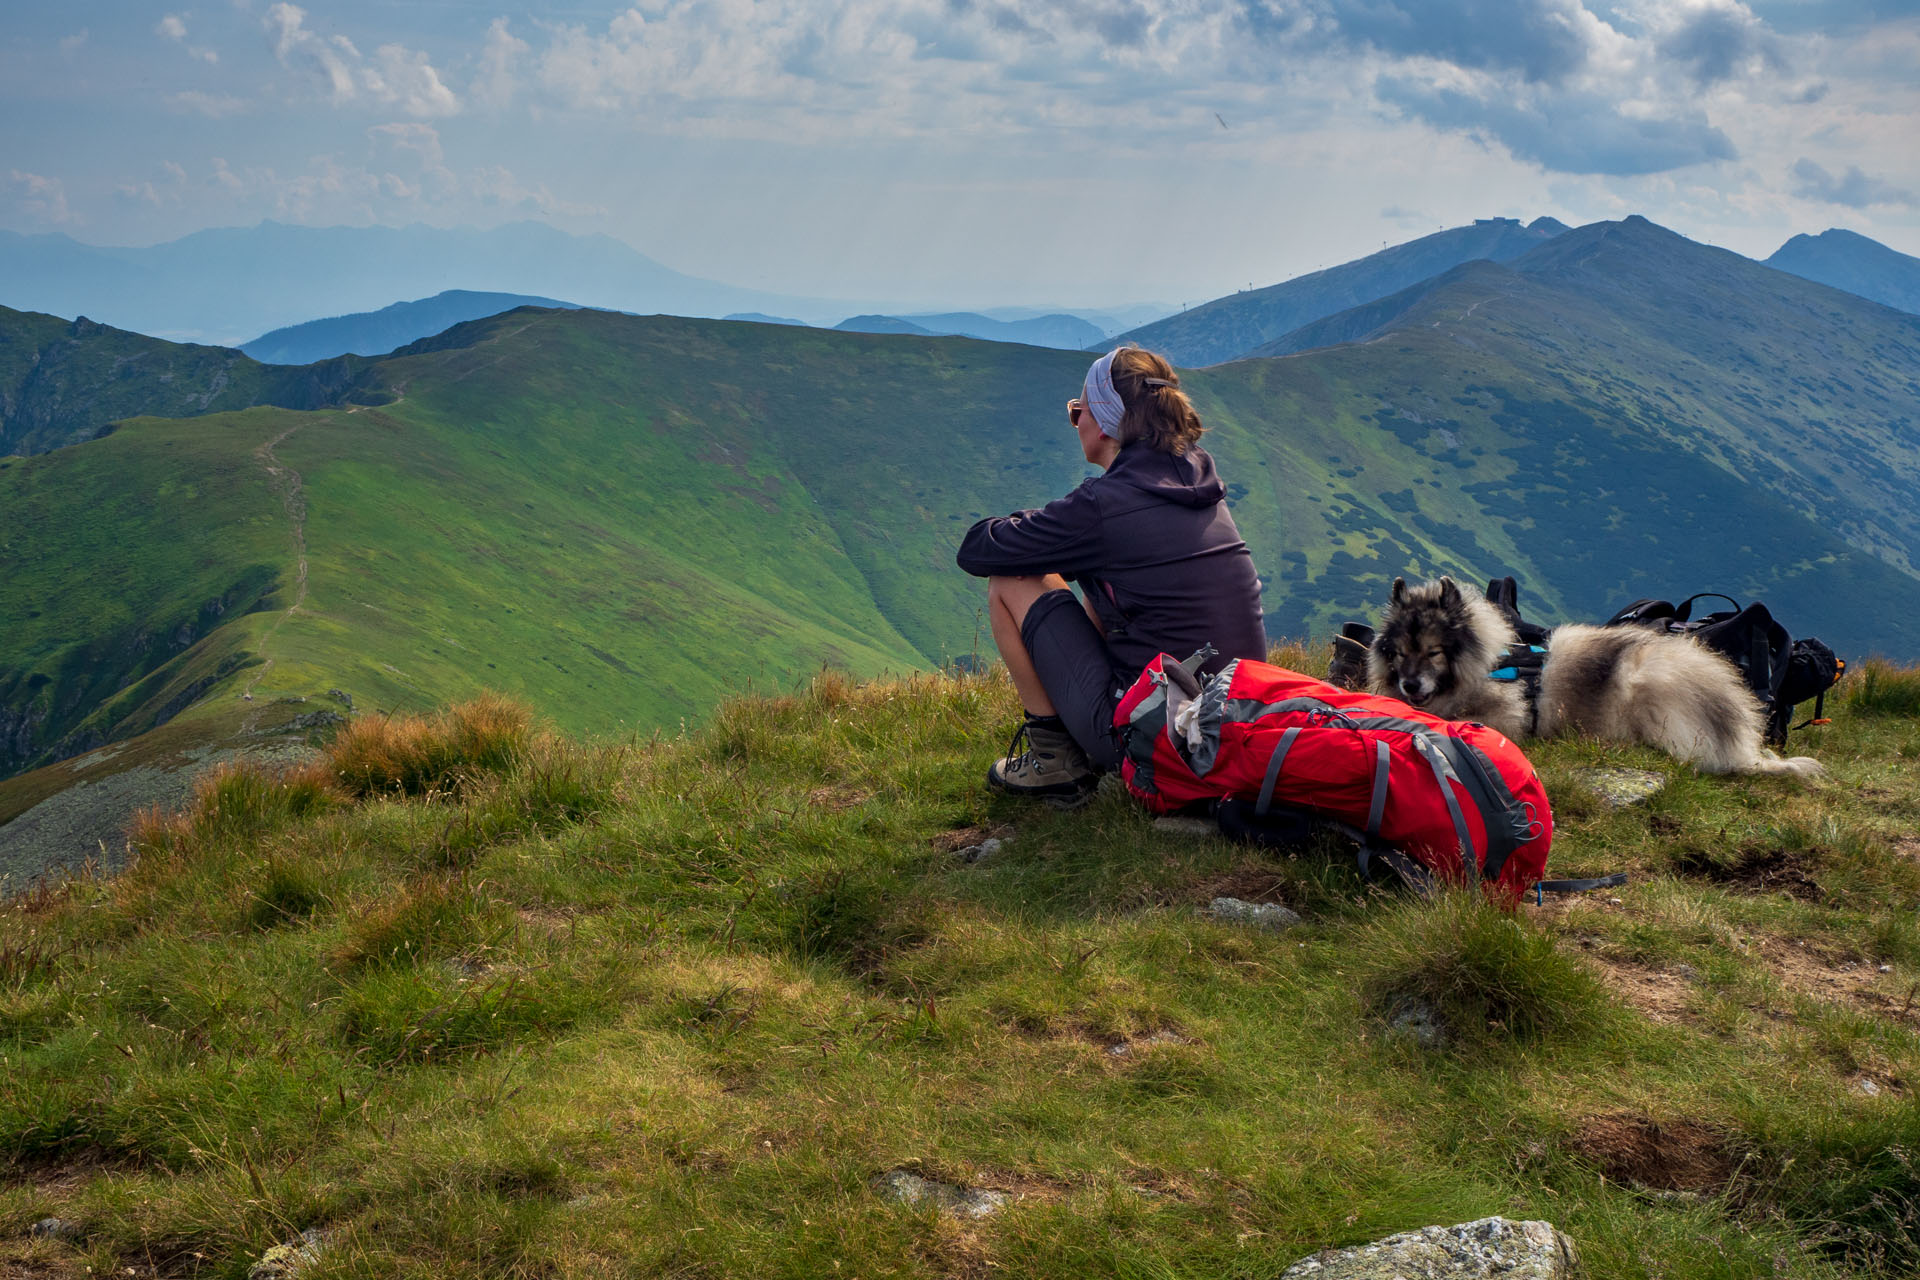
[{"x": 1157, "y": 411}]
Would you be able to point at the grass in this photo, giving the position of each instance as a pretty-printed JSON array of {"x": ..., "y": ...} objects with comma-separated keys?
[{"x": 475, "y": 999}]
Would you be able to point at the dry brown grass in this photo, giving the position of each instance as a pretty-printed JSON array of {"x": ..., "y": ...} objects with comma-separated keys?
[{"x": 420, "y": 755}]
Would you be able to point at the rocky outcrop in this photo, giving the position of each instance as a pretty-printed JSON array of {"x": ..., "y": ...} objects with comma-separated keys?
[{"x": 1482, "y": 1250}]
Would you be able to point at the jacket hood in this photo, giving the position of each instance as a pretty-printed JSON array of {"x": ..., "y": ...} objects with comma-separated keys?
[{"x": 1189, "y": 480}]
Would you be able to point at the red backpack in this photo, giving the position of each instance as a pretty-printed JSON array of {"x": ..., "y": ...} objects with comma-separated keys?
[{"x": 1394, "y": 775}]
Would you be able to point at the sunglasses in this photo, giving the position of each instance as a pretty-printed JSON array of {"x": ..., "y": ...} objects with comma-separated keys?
[{"x": 1074, "y": 410}]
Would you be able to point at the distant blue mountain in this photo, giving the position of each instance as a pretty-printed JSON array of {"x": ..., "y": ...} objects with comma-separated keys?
[
  {"x": 224, "y": 285},
  {"x": 760, "y": 317},
  {"x": 374, "y": 333},
  {"x": 881, "y": 324},
  {"x": 1850, "y": 261},
  {"x": 1059, "y": 331}
]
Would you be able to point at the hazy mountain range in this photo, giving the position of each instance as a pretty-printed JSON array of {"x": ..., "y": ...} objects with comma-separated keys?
[
  {"x": 375, "y": 333},
  {"x": 226, "y": 285},
  {"x": 625, "y": 518}
]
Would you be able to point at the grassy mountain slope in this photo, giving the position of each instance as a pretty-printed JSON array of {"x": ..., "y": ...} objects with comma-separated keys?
[
  {"x": 1230, "y": 327},
  {"x": 374, "y": 333},
  {"x": 622, "y": 519},
  {"x": 1807, "y": 392},
  {"x": 1848, "y": 260},
  {"x": 673, "y": 1010},
  {"x": 62, "y": 381}
]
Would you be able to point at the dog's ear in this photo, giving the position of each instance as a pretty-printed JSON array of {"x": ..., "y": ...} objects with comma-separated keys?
[
  {"x": 1399, "y": 590},
  {"x": 1449, "y": 591}
]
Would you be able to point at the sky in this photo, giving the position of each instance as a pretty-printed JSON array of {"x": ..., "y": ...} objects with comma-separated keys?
[{"x": 967, "y": 152}]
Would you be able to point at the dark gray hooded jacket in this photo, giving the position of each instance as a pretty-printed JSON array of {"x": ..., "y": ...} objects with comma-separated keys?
[{"x": 1152, "y": 544}]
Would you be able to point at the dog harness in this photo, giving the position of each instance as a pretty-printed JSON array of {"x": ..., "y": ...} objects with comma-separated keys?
[{"x": 1521, "y": 664}]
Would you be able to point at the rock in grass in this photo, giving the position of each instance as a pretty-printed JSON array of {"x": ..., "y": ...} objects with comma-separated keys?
[
  {"x": 1618, "y": 788},
  {"x": 1186, "y": 828},
  {"x": 1471, "y": 1251},
  {"x": 285, "y": 1261},
  {"x": 962, "y": 1202},
  {"x": 1261, "y": 915},
  {"x": 985, "y": 851},
  {"x": 1417, "y": 1020},
  {"x": 53, "y": 1229}
]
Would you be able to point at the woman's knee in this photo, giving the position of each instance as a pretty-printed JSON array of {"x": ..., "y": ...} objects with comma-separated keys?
[{"x": 1016, "y": 593}]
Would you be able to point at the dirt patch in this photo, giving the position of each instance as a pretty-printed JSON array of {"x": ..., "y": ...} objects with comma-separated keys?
[
  {"x": 1249, "y": 884},
  {"x": 1907, "y": 847},
  {"x": 837, "y": 799},
  {"x": 1755, "y": 869},
  {"x": 1677, "y": 1155},
  {"x": 965, "y": 837},
  {"x": 1658, "y": 995},
  {"x": 1839, "y": 978}
]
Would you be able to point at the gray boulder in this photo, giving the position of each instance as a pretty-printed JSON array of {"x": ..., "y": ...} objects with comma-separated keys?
[
  {"x": 1491, "y": 1247},
  {"x": 962, "y": 1202},
  {"x": 285, "y": 1261},
  {"x": 1261, "y": 915}
]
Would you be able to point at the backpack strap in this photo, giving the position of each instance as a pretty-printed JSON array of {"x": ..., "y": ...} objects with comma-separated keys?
[
  {"x": 1684, "y": 610},
  {"x": 1265, "y": 801},
  {"x": 1543, "y": 887}
]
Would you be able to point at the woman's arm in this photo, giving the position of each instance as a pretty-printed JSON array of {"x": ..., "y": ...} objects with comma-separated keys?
[{"x": 1062, "y": 537}]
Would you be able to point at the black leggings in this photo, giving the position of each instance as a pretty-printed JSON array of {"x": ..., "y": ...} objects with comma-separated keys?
[{"x": 1078, "y": 672}]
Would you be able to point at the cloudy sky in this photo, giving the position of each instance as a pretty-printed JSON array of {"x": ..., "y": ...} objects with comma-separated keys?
[{"x": 967, "y": 152}]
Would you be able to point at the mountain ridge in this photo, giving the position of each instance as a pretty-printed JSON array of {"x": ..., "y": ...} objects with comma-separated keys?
[
  {"x": 1232, "y": 326},
  {"x": 373, "y": 333},
  {"x": 1853, "y": 262}
]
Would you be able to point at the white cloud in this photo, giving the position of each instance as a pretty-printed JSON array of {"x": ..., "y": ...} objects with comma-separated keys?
[
  {"x": 496, "y": 82},
  {"x": 41, "y": 198},
  {"x": 395, "y": 77},
  {"x": 171, "y": 27},
  {"x": 70, "y": 45},
  {"x": 403, "y": 78}
]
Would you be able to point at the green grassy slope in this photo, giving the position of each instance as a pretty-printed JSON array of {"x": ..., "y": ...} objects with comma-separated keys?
[
  {"x": 621, "y": 519},
  {"x": 62, "y": 382},
  {"x": 1808, "y": 392},
  {"x": 669, "y": 1011}
]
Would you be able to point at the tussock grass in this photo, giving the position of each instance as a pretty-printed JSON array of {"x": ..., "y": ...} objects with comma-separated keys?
[
  {"x": 476, "y": 1000},
  {"x": 1878, "y": 687},
  {"x": 1489, "y": 975},
  {"x": 422, "y": 755}
]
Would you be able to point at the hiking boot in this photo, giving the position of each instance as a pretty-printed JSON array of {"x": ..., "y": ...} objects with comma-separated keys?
[
  {"x": 1348, "y": 670},
  {"x": 1052, "y": 767}
]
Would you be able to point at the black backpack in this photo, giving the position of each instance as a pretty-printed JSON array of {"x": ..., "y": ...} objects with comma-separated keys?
[{"x": 1782, "y": 672}]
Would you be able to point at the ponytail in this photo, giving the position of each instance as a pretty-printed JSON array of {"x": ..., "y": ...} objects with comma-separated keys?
[{"x": 1158, "y": 412}]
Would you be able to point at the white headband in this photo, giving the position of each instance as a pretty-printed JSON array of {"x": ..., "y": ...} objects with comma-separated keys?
[{"x": 1102, "y": 400}]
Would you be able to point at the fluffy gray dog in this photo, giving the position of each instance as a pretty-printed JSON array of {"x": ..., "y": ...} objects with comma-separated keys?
[{"x": 1437, "y": 642}]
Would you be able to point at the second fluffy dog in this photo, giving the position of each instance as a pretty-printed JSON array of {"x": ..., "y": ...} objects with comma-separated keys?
[{"x": 1438, "y": 641}]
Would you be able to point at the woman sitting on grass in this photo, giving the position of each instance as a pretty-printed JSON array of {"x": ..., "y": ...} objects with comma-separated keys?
[{"x": 1155, "y": 553}]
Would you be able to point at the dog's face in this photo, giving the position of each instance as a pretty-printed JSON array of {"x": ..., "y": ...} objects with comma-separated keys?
[{"x": 1417, "y": 652}]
